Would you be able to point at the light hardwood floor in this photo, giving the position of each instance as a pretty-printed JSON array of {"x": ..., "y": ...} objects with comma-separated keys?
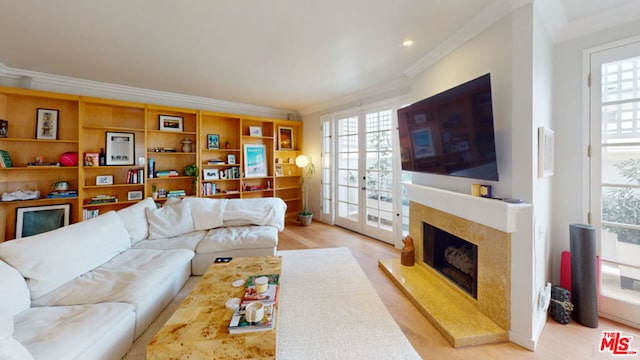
[{"x": 571, "y": 341}]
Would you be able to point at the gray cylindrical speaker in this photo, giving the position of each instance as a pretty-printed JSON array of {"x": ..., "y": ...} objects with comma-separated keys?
[{"x": 584, "y": 286}]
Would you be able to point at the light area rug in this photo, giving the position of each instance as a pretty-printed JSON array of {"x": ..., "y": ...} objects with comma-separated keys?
[{"x": 327, "y": 309}]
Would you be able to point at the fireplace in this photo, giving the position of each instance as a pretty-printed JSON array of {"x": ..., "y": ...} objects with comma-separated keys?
[
  {"x": 453, "y": 257},
  {"x": 503, "y": 304}
]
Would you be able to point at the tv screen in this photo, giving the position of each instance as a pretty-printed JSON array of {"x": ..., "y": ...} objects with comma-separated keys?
[
  {"x": 451, "y": 133},
  {"x": 38, "y": 219}
]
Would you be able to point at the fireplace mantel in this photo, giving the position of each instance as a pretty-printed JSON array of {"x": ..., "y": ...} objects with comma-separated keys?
[{"x": 497, "y": 214}]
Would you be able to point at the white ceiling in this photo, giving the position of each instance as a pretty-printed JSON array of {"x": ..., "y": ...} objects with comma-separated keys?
[{"x": 288, "y": 54}]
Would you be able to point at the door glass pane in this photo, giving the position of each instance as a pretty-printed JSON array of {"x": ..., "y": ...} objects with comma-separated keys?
[
  {"x": 378, "y": 169},
  {"x": 347, "y": 180},
  {"x": 620, "y": 178}
]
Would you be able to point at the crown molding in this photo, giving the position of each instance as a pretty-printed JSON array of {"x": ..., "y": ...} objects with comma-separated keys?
[
  {"x": 396, "y": 87},
  {"x": 69, "y": 85},
  {"x": 487, "y": 17},
  {"x": 601, "y": 21},
  {"x": 553, "y": 16}
]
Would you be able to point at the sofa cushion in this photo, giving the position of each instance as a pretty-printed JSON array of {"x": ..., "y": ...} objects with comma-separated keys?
[
  {"x": 10, "y": 348},
  {"x": 145, "y": 278},
  {"x": 134, "y": 218},
  {"x": 206, "y": 213},
  {"x": 76, "y": 332},
  {"x": 15, "y": 293},
  {"x": 185, "y": 241},
  {"x": 170, "y": 220},
  {"x": 50, "y": 259},
  {"x": 255, "y": 211},
  {"x": 238, "y": 237}
]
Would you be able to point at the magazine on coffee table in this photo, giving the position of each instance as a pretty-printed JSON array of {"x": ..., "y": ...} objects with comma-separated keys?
[{"x": 240, "y": 325}]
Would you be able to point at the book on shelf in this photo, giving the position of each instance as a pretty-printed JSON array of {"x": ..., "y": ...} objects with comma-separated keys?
[
  {"x": 167, "y": 173},
  {"x": 5, "y": 159},
  {"x": 135, "y": 176},
  {"x": 43, "y": 164},
  {"x": 239, "y": 324},
  {"x": 62, "y": 194},
  {"x": 103, "y": 199},
  {"x": 176, "y": 193},
  {"x": 90, "y": 213}
]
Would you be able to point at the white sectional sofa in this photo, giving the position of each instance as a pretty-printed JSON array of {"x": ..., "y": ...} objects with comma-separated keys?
[{"x": 88, "y": 290}]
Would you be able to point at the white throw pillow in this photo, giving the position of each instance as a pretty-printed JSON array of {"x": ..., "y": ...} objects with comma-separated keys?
[
  {"x": 206, "y": 213},
  {"x": 170, "y": 220},
  {"x": 15, "y": 293},
  {"x": 10, "y": 348},
  {"x": 134, "y": 218}
]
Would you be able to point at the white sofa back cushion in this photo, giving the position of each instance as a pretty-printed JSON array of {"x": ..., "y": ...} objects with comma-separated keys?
[
  {"x": 10, "y": 348},
  {"x": 50, "y": 259},
  {"x": 206, "y": 213},
  {"x": 15, "y": 293},
  {"x": 255, "y": 211},
  {"x": 171, "y": 220},
  {"x": 134, "y": 218}
]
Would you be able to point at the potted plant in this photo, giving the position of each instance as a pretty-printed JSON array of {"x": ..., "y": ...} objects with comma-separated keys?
[
  {"x": 305, "y": 216},
  {"x": 60, "y": 184},
  {"x": 154, "y": 191},
  {"x": 192, "y": 170},
  {"x": 622, "y": 205}
]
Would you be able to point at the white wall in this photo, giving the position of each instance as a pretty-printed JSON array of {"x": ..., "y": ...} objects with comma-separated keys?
[{"x": 571, "y": 126}]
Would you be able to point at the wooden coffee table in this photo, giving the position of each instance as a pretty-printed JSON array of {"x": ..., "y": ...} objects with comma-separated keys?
[{"x": 198, "y": 328}]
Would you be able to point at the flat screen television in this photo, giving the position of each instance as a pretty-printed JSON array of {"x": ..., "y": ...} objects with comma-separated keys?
[
  {"x": 451, "y": 133},
  {"x": 38, "y": 219}
]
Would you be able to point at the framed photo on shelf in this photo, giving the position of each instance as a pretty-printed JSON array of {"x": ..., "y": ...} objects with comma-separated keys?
[
  {"x": 47, "y": 124},
  {"x": 285, "y": 138},
  {"x": 279, "y": 171},
  {"x": 120, "y": 148},
  {"x": 213, "y": 141},
  {"x": 134, "y": 195},
  {"x": 210, "y": 174},
  {"x": 104, "y": 180},
  {"x": 255, "y": 160},
  {"x": 231, "y": 159},
  {"x": 255, "y": 131},
  {"x": 170, "y": 123}
]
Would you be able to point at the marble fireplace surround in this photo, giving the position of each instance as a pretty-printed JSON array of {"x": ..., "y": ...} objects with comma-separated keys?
[{"x": 501, "y": 231}]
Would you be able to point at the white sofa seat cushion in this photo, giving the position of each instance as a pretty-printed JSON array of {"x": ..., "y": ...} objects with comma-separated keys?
[
  {"x": 238, "y": 237},
  {"x": 50, "y": 259},
  {"x": 145, "y": 278},
  {"x": 74, "y": 332},
  {"x": 185, "y": 241},
  {"x": 127, "y": 277},
  {"x": 15, "y": 293},
  {"x": 134, "y": 218}
]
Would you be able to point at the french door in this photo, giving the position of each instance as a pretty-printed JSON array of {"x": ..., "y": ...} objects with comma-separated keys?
[
  {"x": 364, "y": 182},
  {"x": 615, "y": 177}
]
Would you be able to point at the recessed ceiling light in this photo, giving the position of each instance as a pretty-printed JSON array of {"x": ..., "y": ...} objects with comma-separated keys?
[{"x": 407, "y": 43}]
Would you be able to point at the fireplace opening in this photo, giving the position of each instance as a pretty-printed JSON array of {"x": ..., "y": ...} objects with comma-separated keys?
[{"x": 451, "y": 256}]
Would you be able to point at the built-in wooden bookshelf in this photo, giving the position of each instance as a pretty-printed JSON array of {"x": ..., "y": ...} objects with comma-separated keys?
[{"x": 83, "y": 126}]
